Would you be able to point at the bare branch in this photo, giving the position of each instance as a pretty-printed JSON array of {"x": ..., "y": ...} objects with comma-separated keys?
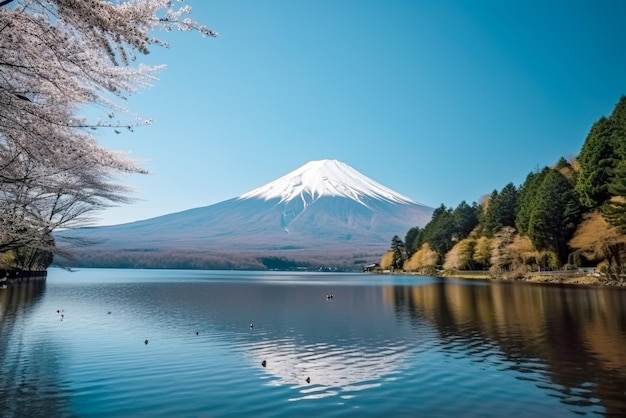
[{"x": 56, "y": 56}]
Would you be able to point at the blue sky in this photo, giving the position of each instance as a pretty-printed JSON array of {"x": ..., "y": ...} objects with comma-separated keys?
[{"x": 442, "y": 101}]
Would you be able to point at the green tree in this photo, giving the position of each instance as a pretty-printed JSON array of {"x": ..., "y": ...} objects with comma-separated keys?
[
  {"x": 465, "y": 220},
  {"x": 601, "y": 152},
  {"x": 526, "y": 199},
  {"x": 439, "y": 232},
  {"x": 398, "y": 251},
  {"x": 555, "y": 214},
  {"x": 411, "y": 240},
  {"x": 615, "y": 209},
  {"x": 500, "y": 210},
  {"x": 487, "y": 220},
  {"x": 448, "y": 226}
]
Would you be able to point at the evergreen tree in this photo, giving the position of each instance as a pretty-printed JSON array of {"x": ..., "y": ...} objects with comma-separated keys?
[
  {"x": 602, "y": 150},
  {"x": 465, "y": 220},
  {"x": 439, "y": 232},
  {"x": 500, "y": 210},
  {"x": 411, "y": 240},
  {"x": 615, "y": 210},
  {"x": 487, "y": 215},
  {"x": 619, "y": 133},
  {"x": 398, "y": 252},
  {"x": 448, "y": 226},
  {"x": 554, "y": 214},
  {"x": 526, "y": 199}
]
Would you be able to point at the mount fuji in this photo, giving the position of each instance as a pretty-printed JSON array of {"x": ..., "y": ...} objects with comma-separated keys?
[{"x": 323, "y": 214}]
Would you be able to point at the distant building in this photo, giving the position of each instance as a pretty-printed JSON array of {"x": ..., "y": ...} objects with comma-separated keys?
[{"x": 371, "y": 267}]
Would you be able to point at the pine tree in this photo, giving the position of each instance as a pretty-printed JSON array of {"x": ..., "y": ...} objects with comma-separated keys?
[
  {"x": 554, "y": 215},
  {"x": 603, "y": 149},
  {"x": 411, "y": 240},
  {"x": 465, "y": 220},
  {"x": 398, "y": 252},
  {"x": 440, "y": 231},
  {"x": 526, "y": 200},
  {"x": 500, "y": 210},
  {"x": 615, "y": 209}
]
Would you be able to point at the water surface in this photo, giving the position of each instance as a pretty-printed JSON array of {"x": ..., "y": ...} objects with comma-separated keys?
[{"x": 395, "y": 346}]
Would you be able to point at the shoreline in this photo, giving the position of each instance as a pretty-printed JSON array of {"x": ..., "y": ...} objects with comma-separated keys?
[
  {"x": 557, "y": 278},
  {"x": 10, "y": 277}
]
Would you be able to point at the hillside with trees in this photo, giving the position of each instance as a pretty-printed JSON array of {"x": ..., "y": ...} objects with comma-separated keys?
[{"x": 564, "y": 217}]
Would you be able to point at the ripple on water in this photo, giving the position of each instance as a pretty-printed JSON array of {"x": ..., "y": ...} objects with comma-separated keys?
[
  {"x": 332, "y": 370},
  {"x": 407, "y": 362}
]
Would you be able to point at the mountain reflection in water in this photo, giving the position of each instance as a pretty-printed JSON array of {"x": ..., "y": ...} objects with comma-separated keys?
[{"x": 399, "y": 345}]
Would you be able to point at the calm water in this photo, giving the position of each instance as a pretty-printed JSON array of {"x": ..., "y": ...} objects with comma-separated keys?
[{"x": 382, "y": 346}]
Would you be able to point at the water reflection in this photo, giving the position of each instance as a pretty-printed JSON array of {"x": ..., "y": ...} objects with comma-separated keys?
[
  {"x": 343, "y": 345},
  {"x": 29, "y": 365},
  {"x": 576, "y": 335},
  {"x": 392, "y": 347},
  {"x": 322, "y": 370},
  {"x": 20, "y": 296}
]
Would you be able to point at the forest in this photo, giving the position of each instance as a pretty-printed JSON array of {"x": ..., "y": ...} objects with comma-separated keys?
[{"x": 563, "y": 217}]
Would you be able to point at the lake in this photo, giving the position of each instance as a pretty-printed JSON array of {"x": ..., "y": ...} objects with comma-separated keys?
[{"x": 172, "y": 343}]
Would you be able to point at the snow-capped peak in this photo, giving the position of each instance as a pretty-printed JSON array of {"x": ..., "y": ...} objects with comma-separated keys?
[{"x": 325, "y": 178}]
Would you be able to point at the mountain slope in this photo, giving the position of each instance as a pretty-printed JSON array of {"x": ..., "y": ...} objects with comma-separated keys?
[{"x": 323, "y": 212}]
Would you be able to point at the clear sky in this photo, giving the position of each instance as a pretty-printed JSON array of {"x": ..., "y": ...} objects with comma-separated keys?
[{"x": 442, "y": 101}]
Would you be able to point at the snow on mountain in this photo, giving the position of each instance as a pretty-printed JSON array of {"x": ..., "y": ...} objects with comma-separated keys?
[
  {"x": 325, "y": 178},
  {"x": 323, "y": 213}
]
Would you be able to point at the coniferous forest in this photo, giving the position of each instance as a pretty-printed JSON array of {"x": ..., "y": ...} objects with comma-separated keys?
[{"x": 563, "y": 217}]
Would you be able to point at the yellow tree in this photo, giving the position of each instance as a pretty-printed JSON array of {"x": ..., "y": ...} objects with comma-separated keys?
[
  {"x": 424, "y": 260},
  {"x": 522, "y": 250},
  {"x": 460, "y": 257},
  {"x": 501, "y": 260},
  {"x": 598, "y": 240},
  {"x": 482, "y": 251},
  {"x": 386, "y": 261}
]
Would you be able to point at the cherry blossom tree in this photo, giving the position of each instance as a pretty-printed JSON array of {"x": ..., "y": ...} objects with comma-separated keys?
[{"x": 56, "y": 58}]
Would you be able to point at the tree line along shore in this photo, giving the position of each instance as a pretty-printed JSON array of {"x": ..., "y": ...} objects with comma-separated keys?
[
  {"x": 55, "y": 175},
  {"x": 562, "y": 223}
]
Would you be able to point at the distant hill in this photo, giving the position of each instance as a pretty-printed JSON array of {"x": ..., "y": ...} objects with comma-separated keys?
[{"x": 324, "y": 214}]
